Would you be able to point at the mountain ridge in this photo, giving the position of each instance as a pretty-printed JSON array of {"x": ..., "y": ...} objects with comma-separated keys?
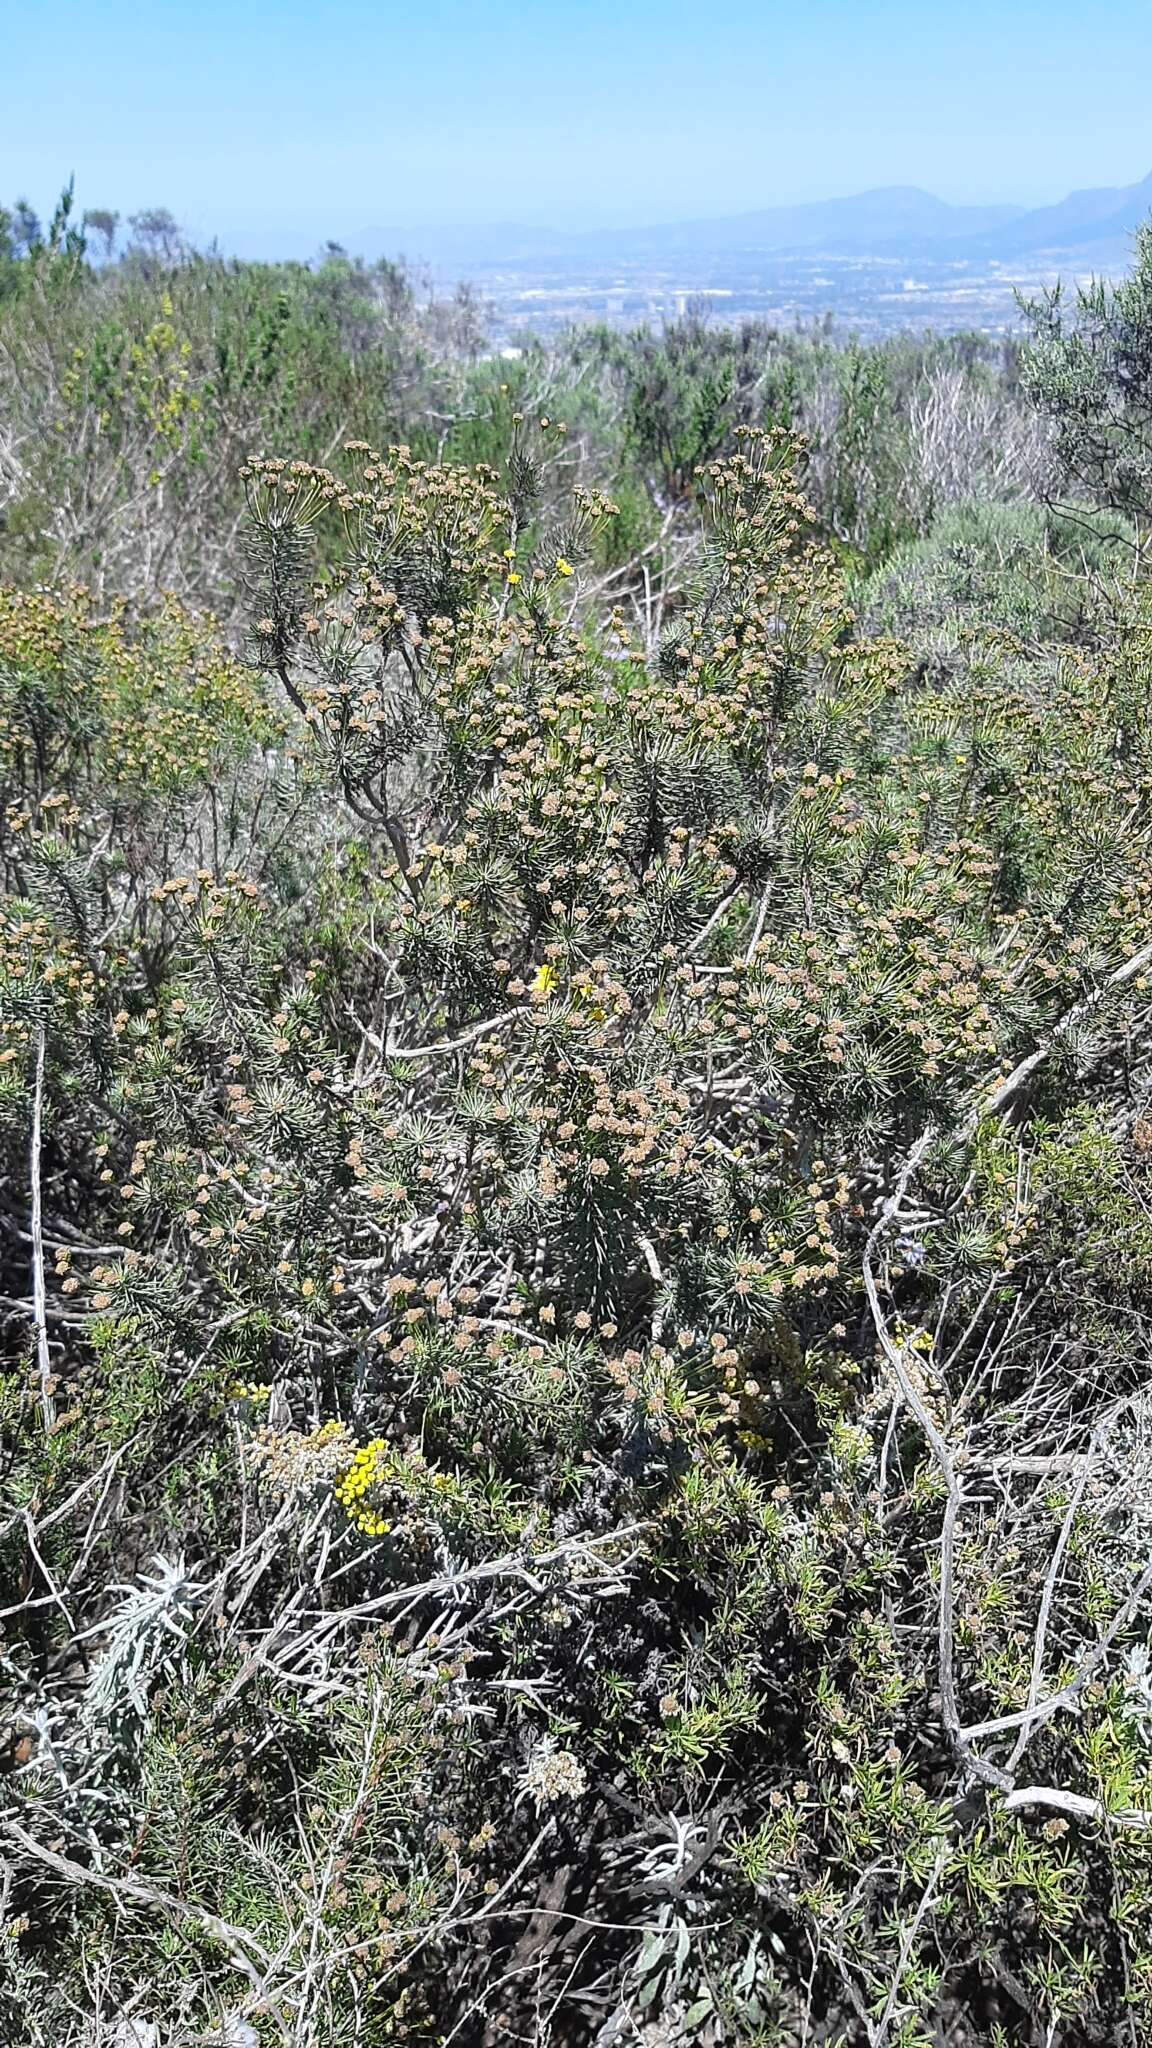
[{"x": 893, "y": 219}]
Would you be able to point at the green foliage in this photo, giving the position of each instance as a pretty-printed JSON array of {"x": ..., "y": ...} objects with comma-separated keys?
[
  {"x": 688, "y": 389},
  {"x": 1089, "y": 370},
  {"x": 1004, "y": 575},
  {"x": 137, "y": 390},
  {"x": 577, "y": 1145}
]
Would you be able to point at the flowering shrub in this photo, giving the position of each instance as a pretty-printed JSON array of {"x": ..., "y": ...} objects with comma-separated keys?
[{"x": 589, "y": 1203}]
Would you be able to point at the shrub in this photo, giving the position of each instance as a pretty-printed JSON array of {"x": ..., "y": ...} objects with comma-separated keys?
[
  {"x": 1088, "y": 370},
  {"x": 575, "y": 1441}
]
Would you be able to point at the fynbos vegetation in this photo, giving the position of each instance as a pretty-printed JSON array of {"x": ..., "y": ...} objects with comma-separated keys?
[{"x": 577, "y": 1125}]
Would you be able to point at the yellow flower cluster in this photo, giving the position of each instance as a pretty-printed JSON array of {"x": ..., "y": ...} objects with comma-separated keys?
[
  {"x": 149, "y": 705},
  {"x": 369, "y": 1465}
]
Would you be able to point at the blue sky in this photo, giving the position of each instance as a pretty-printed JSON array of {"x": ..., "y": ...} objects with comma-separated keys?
[{"x": 305, "y": 119}]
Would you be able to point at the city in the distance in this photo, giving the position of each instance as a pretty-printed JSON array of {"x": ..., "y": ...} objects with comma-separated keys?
[{"x": 874, "y": 263}]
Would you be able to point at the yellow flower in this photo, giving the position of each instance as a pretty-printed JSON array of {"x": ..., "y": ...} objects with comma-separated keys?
[
  {"x": 512, "y": 576},
  {"x": 564, "y": 568},
  {"x": 545, "y": 980}
]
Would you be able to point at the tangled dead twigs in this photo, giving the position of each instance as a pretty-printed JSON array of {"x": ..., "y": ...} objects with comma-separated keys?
[{"x": 1037, "y": 1710}]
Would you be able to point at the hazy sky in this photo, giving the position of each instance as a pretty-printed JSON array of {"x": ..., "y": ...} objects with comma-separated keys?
[{"x": 310, "y": 119}]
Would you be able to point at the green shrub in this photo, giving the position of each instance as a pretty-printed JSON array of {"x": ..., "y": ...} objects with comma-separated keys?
[
  {"x": 580, "y": 1464},
  {"x": 1088, "y": 370}
]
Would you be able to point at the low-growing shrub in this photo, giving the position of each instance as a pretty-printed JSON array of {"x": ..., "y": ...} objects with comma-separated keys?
[{"x": 578, "y": 1258}]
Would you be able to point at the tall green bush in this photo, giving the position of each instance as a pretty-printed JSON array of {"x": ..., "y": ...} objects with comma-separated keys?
[{"x": 578, "y": 1273}]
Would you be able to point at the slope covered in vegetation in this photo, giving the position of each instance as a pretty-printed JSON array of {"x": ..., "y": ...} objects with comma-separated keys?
[{"x": 577, "y": 1180}]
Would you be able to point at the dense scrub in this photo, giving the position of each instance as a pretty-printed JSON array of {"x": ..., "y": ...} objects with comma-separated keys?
[
  {"x": 132, "y": 390},
  {"x": 577, "y": 1261}
]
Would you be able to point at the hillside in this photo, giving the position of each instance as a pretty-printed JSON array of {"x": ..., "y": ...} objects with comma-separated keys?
[{"x": 575, "y": 1168}]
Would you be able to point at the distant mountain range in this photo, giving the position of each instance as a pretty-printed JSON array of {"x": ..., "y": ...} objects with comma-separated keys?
[
  {"x": 1087, "y": 229},
  {"x": 895, "y": 220}
]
